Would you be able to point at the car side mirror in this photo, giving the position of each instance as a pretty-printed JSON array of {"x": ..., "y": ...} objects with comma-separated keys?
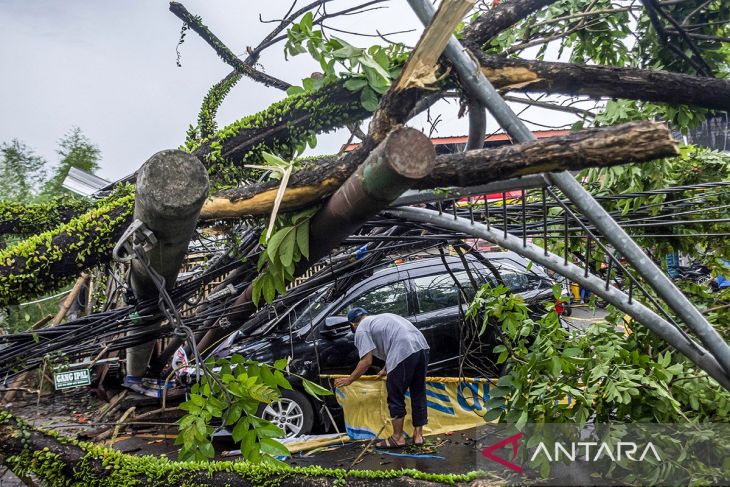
[{"x": 335, "y": 326}]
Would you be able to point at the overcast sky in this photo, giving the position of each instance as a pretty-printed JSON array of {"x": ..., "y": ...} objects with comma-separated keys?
[{"x": 109, "y": 67}]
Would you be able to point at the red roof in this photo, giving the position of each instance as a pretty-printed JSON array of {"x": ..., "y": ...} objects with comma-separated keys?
[{"x": 461, "y": 139}]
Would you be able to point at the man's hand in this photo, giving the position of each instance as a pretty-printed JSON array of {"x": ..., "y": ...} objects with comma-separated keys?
[
  {"x": 382, "y": 373},
  {"x": 343, "y": 381}
]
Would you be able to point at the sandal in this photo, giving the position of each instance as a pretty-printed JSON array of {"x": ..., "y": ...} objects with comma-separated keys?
[
  {"x": 419, "y": 443},
  {"x": 389, "y": 443}
]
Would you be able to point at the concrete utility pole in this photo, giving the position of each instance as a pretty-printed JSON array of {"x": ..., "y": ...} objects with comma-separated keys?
[
  {"x": 404, "y": 157},
  {"x": 171, "y": 188}
]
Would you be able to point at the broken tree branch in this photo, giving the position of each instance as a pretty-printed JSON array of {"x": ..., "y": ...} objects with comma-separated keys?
[
  {"x": 196, "y": 24},
  {"x": 633, "y": 142},
  {"x": 598, "y": 81},
  {"x": 420, "y": 71},
  {"x": 58, "y": 460},
  {"x": 498, "y": 19}
]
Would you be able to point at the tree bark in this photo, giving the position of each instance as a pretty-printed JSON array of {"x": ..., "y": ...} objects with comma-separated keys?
[
  {"x": 598, "y": 147},
  {"x": 498, "y": 19},
  {"x": 47, "y": 261},
  {"x": 605, "y": 81},
  {"x": 632, "y": 142},
  {"x": 405, "y": 156}
]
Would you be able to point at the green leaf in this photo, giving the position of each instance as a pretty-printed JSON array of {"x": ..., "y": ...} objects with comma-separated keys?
[
  {"x": 234, "y": 414},
  {"x": 522, "y": 421},
  {"x": 306, "y": 21},
  {"x": 294, "y": 90},
  {"x": 286, "y": 250},
  {"x": 555, "y": 366},
  {"x": 273, "y": 447},
  {"x": 274, "y": 160},
  {"x": 303, "y": 239},
  {"x": 269, "y": 430},
  {"x": 207, "y": 449},
  {"x": 493, "y": 414},
  {"x": 557, "y": 291},
  {"x": 355, "y": 84},
  {"x": 315, "y": 389},
  {"x": 272, "y": 247},
  {"x": 257, "y": 288},
  {"x": 268, "y": 288},
  {"x": 240, "y": 429},
  {"x": 369, "y": 99},
  {"x": 281, "y": 363},
  {"x": 281, "y": 381}
]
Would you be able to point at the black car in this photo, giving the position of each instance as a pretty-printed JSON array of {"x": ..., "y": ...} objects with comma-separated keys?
[{"x": 317, "y": 337}]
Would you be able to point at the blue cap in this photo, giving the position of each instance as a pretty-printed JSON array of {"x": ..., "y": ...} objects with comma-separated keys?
[{"x": 355, "y": 313}]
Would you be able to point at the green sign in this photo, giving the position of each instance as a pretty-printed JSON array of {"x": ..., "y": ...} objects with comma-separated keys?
[{"x": 72, "y": 378}]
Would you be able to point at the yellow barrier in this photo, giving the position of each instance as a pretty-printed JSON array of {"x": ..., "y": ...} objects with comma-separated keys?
[{"x": 453, "y": 404}]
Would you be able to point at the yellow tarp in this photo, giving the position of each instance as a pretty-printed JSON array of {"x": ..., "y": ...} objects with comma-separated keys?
[{"x": 453, "y": 404}]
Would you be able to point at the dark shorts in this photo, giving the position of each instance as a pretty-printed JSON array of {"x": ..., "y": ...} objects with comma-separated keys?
[{"x": 409, "y": 375}]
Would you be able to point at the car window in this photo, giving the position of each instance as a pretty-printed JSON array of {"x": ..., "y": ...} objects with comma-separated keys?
[
  {"x": 438, "y": 291},
  {"x": 390, "y": 298},
  {"x": 517, "y": 280}
]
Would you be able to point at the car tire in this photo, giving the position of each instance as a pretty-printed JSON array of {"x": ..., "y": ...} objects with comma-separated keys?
[{"x": 292, "y": 412}]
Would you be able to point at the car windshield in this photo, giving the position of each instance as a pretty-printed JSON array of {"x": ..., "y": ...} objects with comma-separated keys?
[{"x": 304, "y": 312}]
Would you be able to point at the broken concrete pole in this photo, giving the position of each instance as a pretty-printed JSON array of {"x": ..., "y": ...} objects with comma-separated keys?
[{"x": 171, "y": 188}]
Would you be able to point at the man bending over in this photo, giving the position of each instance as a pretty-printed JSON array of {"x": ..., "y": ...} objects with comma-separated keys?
[{"x": 395, "y": 340}]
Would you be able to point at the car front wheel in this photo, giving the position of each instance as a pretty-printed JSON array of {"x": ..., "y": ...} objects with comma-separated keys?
[{"x": 292, "y": 412}]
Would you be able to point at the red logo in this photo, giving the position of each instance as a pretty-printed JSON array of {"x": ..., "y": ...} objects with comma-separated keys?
[{"x": 514, "y": 441}]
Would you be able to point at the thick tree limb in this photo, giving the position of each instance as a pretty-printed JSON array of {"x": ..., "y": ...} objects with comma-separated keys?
[
  {"x": 58, "y": 460},
  {"x": 33, "y": 218},
  {"x": 498, "y": 19},
  {"x": 633, "y": 142},
  {"x": 290, "y": 121},
  {"x": 49, "y": 260},
  {"x": 605, "y": 81}
]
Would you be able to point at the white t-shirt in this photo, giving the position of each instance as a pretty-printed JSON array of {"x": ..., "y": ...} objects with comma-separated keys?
[{"x": 390, "y": 337}]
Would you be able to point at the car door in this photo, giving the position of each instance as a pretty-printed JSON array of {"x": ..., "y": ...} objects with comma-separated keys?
[
  {"x": 438, "y": 315},
  {"x": 337, "y": 354}
]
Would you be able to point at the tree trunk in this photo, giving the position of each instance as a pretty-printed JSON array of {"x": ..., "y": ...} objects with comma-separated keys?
[
  {"x": 57, "y": 460},
  {"x": 404, "y": 157},
  {"x": 34, "y": 218},
  {"x": 50, "y": 260},
  {"x": 605, "y": 81},
  {"x": 632, "y": 142}
]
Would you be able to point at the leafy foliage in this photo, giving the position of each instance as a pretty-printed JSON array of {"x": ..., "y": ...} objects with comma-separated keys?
[
  {"x": 611, "y": 372},
  {"x": 233, "y": 396},
  {"x": 368, "y": 71},
  {"x": 40, "y": 264},
  {"x": 286, "y": 247}
]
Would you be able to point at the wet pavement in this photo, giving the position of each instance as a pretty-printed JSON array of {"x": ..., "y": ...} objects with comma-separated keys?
[{"x": 448, "y": 453}]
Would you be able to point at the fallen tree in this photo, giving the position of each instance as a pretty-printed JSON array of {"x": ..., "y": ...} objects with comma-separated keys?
[
  {"x": 44, "y": 262},
  {"x": 291, "y": 121},
  {"x": 52, "y": 259},
  {"x": 632, "y": 142},
  {"x": 57, "y": 460}
]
